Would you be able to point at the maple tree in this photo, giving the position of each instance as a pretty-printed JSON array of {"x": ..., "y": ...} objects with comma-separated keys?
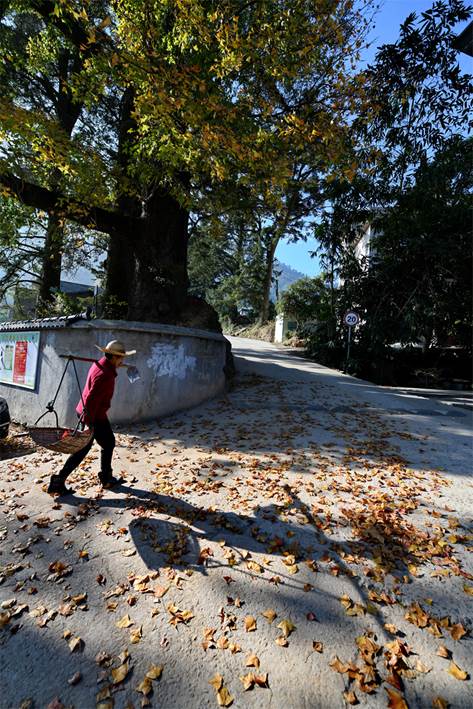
[{"x": 171, "y": 96}]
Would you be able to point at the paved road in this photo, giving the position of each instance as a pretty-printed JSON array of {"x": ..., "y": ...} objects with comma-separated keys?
[{"x": 306, "y": 526}]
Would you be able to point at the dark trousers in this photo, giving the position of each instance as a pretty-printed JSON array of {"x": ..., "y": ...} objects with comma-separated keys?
[{"x": 103, "y": 434}]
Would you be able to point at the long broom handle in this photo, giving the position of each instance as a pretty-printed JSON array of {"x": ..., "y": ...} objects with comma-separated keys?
[{"x": 82, "y": 359}]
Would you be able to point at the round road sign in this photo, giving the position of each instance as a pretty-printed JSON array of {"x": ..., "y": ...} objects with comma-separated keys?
[{"x": 351, "y": 318}]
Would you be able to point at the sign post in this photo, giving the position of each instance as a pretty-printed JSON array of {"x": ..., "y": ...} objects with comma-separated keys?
[{"x": 350, "y": 319}]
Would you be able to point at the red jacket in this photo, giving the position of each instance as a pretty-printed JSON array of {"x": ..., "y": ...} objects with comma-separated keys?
[{"x": 98, "y": 391}]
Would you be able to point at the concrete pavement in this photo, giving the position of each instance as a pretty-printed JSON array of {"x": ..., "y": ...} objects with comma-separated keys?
[{"x": 304, "y": 541}]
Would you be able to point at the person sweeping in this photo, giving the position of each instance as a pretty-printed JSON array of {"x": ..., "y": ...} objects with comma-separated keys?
[{"x": 93, "y": 407}]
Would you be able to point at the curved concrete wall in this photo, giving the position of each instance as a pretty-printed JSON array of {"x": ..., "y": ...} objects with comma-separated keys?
[{"x": 179, "y": 368}]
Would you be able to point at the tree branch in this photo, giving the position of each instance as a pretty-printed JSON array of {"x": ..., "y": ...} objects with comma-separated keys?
[{"x": 51, "y": 200}]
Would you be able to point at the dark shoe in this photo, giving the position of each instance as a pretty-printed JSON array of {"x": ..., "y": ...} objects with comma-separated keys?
[
  {"x": 109, "y": 481},
  {"x": 57, "y": 486}
]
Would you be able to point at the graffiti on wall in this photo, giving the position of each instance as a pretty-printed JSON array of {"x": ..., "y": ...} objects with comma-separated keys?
[{"x": 170, "y": 361}]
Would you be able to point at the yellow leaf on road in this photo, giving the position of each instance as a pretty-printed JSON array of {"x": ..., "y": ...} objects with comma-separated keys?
[
  {"x": 124, "y": 622},
  {"x": 224, "y": 698},
  {"x": 286, "y": 626},
  {"x": 269, "y": 614},
  {"x": 457, "y": 631},
  {"x": 350, "y": 697},
  {"x": 136, "y": 635},
  {"x": 248, "y": 681},
  {"x": 252, "y": 661},
  {"x": 75, "y": 644},
  {"x": 443, "y": 651},
  {"x": 120, "y": 673},
  {"x": 396, "y": 700},
  {"x": 250, "y": 623},
  {"x": 216, "y": 682},
  {"x": 456, "y": 672},
  {"x": 145, "y": 687},
  {"x": 154, "y": 672}
]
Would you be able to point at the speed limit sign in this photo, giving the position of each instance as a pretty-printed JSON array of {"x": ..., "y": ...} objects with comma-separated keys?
[{"x": 351, "y": 318}]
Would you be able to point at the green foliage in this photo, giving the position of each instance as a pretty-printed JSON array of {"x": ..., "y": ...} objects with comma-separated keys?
[
  {"x": 306, "y": 299},
  {"x": 418, "y": 284},
  {"x": 414, "y": 188}
]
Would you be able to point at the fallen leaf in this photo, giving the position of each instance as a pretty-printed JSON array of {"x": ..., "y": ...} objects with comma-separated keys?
[
  {"x": 254, "y": 566},
  {"x": 120, "y": 673},
  {"x": 443, "y": 651},
  {"x": 281, "y": 641},
  {"x": 136, "y": 635},
  {"x": 269, "y": 614},
  {"x": 124, "y": 622},
  {"x": 145, "y": 686},
  {"x": 75, "y": 644},
  {"x": 337, "y": 665},
  {"x": 75, "y": 679},
  {"x": 456, "y": 672},
  {"x": 154, "y": 672},
  {"x": 252, "y": 661},
  {"x": 396, "y": 700},
  {"x": 440, "y": 703},
  {"x": 104, "y": 694},
  {"x": 317, "y": 646},
  {"x": 178, "y": 615},
  {"x": 250, "y": 623},
  {"x": 350, "y": 697},
  {"x": 5, "y": 618},
  {"x": 224, "y": 698},
  {"x": 420, "y": 667},
  {"x": 457, "y": 631},
  {"x": 55, "y": 704},
  {"x": 248, "y": 681},
  {"x": 286, "y": 626},
  {"x": 216, "y": 682}
]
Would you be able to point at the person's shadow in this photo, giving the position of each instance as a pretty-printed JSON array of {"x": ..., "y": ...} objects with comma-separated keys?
[{"x": 171, "y": 532}]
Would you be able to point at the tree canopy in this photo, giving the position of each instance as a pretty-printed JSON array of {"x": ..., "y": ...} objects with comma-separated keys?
[{"x": 169, "y": 99}]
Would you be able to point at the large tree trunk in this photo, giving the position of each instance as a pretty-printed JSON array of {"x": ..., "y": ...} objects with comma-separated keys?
[
  {"x": 50, "y": 280},
  {"x": 67, "y": 113},
  {"x": 147, "y": 256},
  {"x": 120, "y": 270},
  {"x": 160, "y": 249},
  {"x": 264, "y": 309}
]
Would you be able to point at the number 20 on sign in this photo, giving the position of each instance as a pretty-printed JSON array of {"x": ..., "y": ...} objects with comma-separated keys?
[{"x": 351, "y": 318}]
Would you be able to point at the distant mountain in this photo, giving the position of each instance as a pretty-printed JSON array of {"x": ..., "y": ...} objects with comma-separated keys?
[{"x": 288, "y": 276}]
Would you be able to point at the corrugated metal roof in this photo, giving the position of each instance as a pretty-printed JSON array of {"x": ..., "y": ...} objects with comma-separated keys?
[{"x": 44, "y": 323}]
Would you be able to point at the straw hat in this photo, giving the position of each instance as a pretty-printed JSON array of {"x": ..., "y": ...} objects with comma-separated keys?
[{"x": 115, "y": 347}]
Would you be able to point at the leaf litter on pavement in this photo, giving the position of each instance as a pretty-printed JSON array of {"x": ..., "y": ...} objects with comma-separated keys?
[{"x": 278, "y": 511}]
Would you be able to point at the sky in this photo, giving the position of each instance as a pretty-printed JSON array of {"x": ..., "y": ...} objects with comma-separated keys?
[{"x": 391, "y": 15}]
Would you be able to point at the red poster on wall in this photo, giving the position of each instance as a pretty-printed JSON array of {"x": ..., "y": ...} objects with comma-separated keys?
[{"x": 19, "y": 366}]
